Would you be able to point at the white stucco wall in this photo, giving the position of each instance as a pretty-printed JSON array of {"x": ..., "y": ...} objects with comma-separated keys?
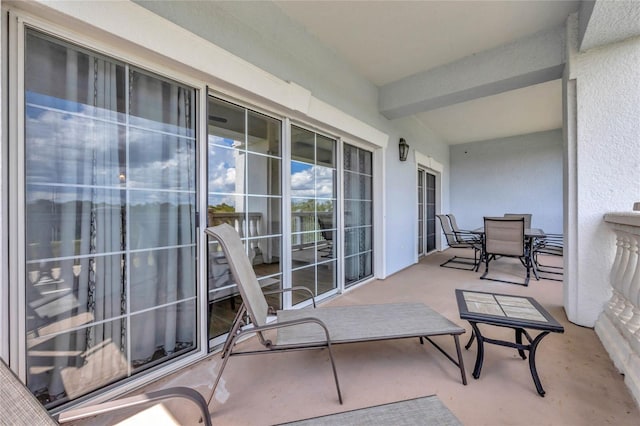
[
  {"x": 519, "y": 174},
  {"x": 401, "y": 191},
  {"x": 607, "y": 162},
  {"x": 261, "y": 34}
]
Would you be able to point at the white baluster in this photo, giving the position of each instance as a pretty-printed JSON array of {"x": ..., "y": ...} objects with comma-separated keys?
[
  {"x": 613, "y": 276},
  {"x": 620, "y": 268},
  {"x": 631, "y": 248},
  {"x": 634, "y": 290},
  {"x": 619, "y": 328}
]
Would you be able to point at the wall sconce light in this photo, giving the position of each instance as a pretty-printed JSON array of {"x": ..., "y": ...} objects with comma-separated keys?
[{"x": 404, "y": 149}]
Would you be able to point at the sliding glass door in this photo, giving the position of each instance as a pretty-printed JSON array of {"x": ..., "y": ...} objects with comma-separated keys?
[
  {"x": 358, "y": 214},
  {"x": 313, "y": 212},
  {"x": 110, "y": 233},
  {"x": 244, "y": 190},
  {"x": 426, "y": 212}
]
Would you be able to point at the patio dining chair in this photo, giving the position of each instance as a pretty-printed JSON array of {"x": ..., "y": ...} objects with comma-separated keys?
[
  {"x": 462, "y": 235},
  {"x": 504, "y": 237},
  {"x": 322, "y": 327},
  {"x": 461, "y": 239},
  {"x": 525, "y": 216},
  {"x": 20, "y": 406},
  {"x": 327, "y": 235},
  {"x": 549, "y": 245}
]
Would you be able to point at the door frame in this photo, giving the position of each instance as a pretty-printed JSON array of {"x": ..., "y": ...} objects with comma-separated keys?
[{"x": 429, "y": 165}]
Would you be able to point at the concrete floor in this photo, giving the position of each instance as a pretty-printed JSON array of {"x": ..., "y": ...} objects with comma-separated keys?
[{"x": 582, "y": 385}]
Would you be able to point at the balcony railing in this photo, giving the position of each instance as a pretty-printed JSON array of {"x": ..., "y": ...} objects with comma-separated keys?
[{"x": 618, "y": 327}]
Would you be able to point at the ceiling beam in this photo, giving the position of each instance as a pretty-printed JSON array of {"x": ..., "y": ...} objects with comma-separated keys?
[
  {"x": 531, "y": 60},
  {"x": 605, "y": 22}
]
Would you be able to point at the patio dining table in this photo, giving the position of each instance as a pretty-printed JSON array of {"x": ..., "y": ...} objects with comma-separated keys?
[{"x": 530, "y": 235}]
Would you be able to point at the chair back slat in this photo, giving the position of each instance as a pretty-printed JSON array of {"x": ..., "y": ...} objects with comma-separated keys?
[
  {"x": 242, "y": 271},
  {"x": 504, "y": 235}
]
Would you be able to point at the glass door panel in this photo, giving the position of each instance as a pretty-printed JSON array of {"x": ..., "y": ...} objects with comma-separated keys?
[
  {"x": 358, "y": 214},
  {"x": 421, "y": 208},
  {"x": 426, "y": 212},
  {"x": 313, "y": 204},
  {"x": 245, "y": 191},
  {"x": 110, "y": 193},
  {"x": 430, "y": 223}
]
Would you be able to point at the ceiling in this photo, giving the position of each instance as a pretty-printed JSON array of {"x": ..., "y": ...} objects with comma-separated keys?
[{"x": 386, "y": 41}]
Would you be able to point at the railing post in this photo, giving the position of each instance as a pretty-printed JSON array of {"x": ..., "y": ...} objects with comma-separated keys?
[{"x": 618, "y": 326}]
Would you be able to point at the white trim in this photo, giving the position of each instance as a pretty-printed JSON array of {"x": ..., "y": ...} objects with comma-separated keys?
[
  {"x": 428, "y": 162},
  {"x": 338, "y": 244},
  {"x": 135, "y": 24},
  {"x": 285, "y": 260},
  {"x": 202, "y": 152},
  {"x": 4, "y": 164},
  {"x": 17, "y": 302},
  {"x": 379, "y": 216}
]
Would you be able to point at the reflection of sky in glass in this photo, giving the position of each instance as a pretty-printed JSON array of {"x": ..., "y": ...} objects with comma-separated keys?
[
  {"x": 222, "y": 169},
  {"x": 217, "y": 140},
  {"x": 60, "y": 149},
  {"x": 79, "y": 149},
  {"x": 303, "y": 183},
  {"x": 66, "y": 105}
]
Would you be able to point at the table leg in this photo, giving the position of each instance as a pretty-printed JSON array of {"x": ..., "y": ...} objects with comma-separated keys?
[
  {"x": 473, "y": 336},
  {"x": 480, "y": 356},
  {"x": 532, "y": 362},
  {"x": 519, "y": 332},
  {"x": 530, "y": 260}
]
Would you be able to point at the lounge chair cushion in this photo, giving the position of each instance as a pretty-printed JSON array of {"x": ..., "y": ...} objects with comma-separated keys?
[{"x": 359, "y": 323}]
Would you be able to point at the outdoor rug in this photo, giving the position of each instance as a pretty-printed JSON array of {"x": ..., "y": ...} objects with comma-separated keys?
[{"x": 427, "y": 410}]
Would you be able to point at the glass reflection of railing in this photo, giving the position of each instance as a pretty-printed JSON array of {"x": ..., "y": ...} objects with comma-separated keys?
[
  {"x": 304, "y": 223},
  {"x": 248, "y": 225}
]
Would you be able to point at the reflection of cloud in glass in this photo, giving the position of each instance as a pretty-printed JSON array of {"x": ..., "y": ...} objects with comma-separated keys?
[
  {"x": 160, "y": 161},
  {"x": 72, "y": 149},
  {"x": 60, "y": 148},
  {"x": 324, "y": 182},
  {"x": 218, "y": 140},
  {"x": 303, "y": 183},
  {"x": 222, "y": 170}
]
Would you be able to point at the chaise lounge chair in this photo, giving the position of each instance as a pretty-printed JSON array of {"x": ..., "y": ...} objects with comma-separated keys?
[
  {"x": 19, "y": 406},
  {"x": 320, "y": 328}
]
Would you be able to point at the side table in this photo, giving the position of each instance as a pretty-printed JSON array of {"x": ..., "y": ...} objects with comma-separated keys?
[{"x": 504, "y": 310}]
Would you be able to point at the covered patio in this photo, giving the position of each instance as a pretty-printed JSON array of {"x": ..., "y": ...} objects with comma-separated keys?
[
  {"x": 582, "y": 384},
  {"x": 300, "y": 109}
]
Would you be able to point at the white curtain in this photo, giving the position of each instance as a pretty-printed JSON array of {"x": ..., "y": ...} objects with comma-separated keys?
[
  {"x": 103, "y": 200},
  {"x": 161, "y": 219}
]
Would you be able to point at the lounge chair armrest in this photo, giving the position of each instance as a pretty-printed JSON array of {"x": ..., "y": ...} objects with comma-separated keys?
[
  {"x": 134, "y": 401},
  {"x": 294, "y": 288},
  {"x": 467, "y": 234},
  {"x": 468, "y": 237},
  {"x": 283, "y": 324}
]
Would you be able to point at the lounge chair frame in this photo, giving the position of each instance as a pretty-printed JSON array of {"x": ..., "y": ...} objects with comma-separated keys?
[
  {"x": 320, "y": 328},
  {"x": 21, "y": 407}
]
